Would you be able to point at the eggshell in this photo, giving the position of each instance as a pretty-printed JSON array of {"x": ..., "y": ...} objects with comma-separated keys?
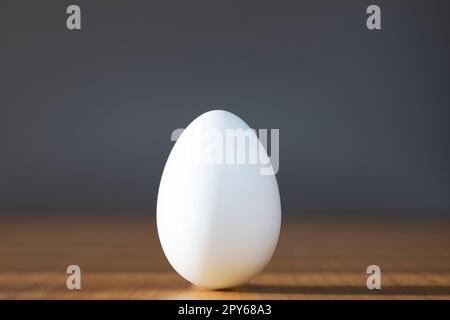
[{"x": 218, "y": 223}]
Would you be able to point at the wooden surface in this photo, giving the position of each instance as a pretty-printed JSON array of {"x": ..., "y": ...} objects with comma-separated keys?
[{"x": 121, "y": 258}]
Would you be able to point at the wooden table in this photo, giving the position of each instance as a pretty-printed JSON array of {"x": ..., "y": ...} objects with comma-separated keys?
[{"x": 317, "y": 258}]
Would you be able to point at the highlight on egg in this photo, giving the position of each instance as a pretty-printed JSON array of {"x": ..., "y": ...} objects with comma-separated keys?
[{"x": 218, "y": 207}]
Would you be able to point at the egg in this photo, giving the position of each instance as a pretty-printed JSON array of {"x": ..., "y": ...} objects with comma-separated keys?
[{"x": 218, "y": 211}]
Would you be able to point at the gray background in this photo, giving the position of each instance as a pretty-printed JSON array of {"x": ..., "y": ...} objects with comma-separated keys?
[{"x": 86, "y": 116}]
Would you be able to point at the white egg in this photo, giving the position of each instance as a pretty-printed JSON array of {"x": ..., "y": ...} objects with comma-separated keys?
[{"x": 218, "y": 220}]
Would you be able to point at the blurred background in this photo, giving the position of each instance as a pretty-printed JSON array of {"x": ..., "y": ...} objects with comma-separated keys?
[{"x": 86, "y": 116}]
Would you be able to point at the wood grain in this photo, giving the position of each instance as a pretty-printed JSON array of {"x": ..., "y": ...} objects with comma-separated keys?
[{"x": 121, "y": 258}]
